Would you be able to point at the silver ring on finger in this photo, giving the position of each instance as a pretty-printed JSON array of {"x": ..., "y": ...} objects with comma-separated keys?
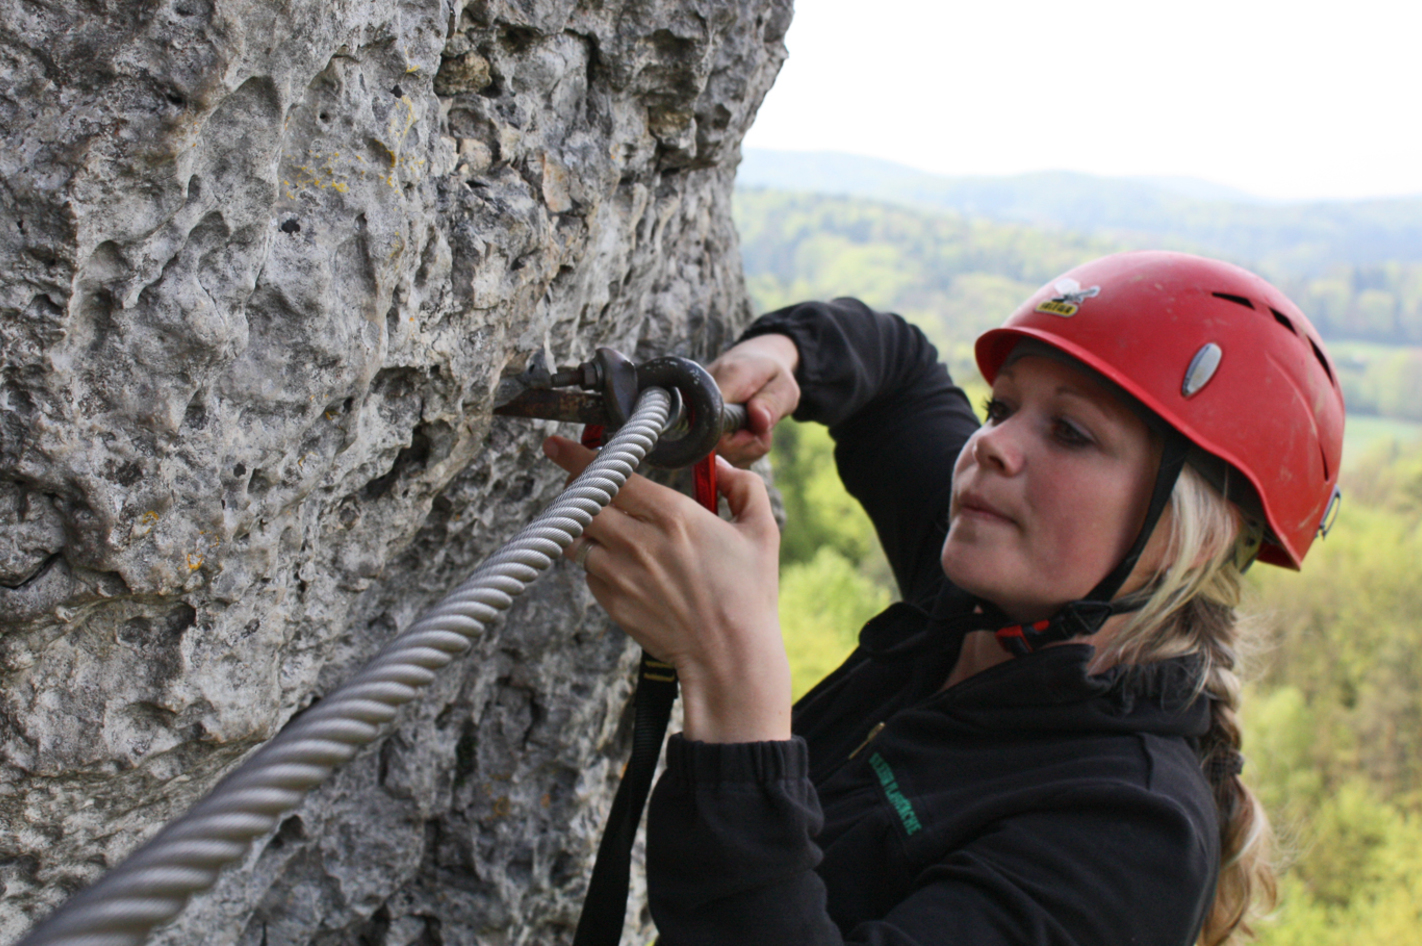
[{"x": 581, "y": 555}]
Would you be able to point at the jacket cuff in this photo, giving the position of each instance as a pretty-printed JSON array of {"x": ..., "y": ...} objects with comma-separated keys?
[
  {"x": 825, "y": 375},
  {"x": 692, "y": 764}
]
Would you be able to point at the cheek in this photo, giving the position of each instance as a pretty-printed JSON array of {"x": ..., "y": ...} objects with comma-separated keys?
[
  {"x": 1095, "y": 519},
  {"x": 963, "y": 469},
  {"x": 965, "y": 456}
]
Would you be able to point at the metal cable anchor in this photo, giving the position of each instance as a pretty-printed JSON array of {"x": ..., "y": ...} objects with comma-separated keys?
[{"x": 610, "y": 384}]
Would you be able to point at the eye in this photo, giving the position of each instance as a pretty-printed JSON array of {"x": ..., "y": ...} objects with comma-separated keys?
[
  {"x": 995, "y": 411},
  {"x": 1068, "y": 434}
]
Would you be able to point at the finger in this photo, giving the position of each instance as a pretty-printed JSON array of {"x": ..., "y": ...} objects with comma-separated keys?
[
  {"x": 579, "y": 549},
  {"x": 609, "y": 552},
  {"x": 739, "y": 378},
  {"x": 755, "y": 384},
  {"x": 760, "y": 415},
  {"x": 568, "y": 454},
  {"x": 777, "y": 398},
  {"x": 759, "y": 421},
  {"x": 746, "y": 495},
  {"x": 649, "y": 502},
  {"x": 761, "y": 368},
  {"x": 742, "y": 447},
  {"x": 619, "y": 532},
  {"x": 638, "y": 497},
  {"x": 575, "y": 458}
]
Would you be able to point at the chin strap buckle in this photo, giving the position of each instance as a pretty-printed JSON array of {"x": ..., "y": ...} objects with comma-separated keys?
[
  {"x": 1015, "y": 639},
  {"x": 1076, "y": 619}
]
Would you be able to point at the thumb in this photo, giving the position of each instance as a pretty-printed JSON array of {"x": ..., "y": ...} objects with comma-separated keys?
[
  {"x": 762, "y": 413},
  {"x": 778, "y": 397},
  {"x": 746, "y": 495}
]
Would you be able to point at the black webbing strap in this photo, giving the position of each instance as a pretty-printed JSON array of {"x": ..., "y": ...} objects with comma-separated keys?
[
  {"x": 606, "y": 903},
  {"x": 605, "y": 906}
]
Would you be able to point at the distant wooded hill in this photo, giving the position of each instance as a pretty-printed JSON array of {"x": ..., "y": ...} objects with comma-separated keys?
[
  {"x": 1286, "y": 238},
  {"x": 957, "y": 275}
]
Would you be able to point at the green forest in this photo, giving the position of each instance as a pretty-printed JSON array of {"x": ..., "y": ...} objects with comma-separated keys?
[
  {"x": 1334, "y": 709},
  {"x": 957, "y": 276}
]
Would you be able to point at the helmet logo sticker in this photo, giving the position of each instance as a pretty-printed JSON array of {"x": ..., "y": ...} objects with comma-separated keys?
[
  {"x": 1068, "y": 299},
  {"x": 1202, "y": 369}
]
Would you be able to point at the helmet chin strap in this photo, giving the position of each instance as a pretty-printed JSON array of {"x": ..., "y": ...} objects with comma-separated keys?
[{"x": 1086, "y": 616}]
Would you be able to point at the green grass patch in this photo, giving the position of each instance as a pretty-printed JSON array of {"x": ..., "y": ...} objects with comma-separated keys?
[{"x": 1364, "y": 435}]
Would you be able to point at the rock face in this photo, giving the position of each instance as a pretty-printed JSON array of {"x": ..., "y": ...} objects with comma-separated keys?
[{"x": 261, "y": 266}]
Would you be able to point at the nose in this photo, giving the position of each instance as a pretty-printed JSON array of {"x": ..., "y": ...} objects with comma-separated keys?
[{"x": 996, "y": 447}]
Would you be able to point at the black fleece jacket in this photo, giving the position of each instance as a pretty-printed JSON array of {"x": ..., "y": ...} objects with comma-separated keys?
[{"x": 1033, "y": 803}]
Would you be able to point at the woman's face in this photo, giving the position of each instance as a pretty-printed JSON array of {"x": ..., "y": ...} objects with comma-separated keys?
[{"x": 1050, "y": 493}]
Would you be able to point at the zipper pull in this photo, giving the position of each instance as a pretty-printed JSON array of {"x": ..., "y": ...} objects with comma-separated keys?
[{"x": 878, "y": 728}]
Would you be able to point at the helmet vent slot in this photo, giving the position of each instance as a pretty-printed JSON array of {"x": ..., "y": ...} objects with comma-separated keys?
[
  {"x": 1283, "y": 320},
  {"x": 1230, "y": 297},
  {"x": 1323, "y": 361}
]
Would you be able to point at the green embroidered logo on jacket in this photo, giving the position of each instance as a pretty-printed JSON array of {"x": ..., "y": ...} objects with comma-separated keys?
[{"x": 896, "y": 797}]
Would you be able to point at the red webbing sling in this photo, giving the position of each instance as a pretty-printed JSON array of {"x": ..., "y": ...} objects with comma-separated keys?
[{"x": 606, "y": 902}]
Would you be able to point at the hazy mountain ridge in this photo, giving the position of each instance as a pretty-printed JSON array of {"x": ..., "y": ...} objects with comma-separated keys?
[{"x": 1286, "y": 238}]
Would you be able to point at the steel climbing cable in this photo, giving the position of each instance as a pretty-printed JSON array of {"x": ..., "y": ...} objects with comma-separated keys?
[{"x": 153, "y": 885}]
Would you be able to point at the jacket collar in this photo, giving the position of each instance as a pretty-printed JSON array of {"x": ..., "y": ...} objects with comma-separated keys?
[{"x": 1051, "y": 688}]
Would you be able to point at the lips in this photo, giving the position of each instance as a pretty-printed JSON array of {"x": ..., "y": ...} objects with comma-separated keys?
[{"x": 975, "y": 506}]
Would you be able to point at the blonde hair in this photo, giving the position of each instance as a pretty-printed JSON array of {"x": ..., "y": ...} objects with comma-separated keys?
[{"x": 1190, "y": 609}]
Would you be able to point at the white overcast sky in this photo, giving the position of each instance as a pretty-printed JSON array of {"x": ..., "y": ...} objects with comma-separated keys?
[{"x": 1289, "y": 100}]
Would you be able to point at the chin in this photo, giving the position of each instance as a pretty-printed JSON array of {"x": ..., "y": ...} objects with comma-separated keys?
[
  {"x": 986, "y": 577},
  {"x": 972, "y": 571}
]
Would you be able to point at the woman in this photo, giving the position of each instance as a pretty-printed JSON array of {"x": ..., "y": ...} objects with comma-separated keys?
[{"x": 1039, "y": 743}]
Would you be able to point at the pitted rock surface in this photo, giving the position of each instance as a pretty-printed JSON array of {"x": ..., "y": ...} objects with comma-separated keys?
[{"x": 261, "y": 267}]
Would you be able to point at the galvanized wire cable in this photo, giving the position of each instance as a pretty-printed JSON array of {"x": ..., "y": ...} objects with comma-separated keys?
[{"x": 153, "y": 884}]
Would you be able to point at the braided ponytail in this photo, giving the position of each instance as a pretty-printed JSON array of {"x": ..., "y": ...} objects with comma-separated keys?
[
  {"x": 1246, "y": 873},
  {"x": 1191, "y": 610}
]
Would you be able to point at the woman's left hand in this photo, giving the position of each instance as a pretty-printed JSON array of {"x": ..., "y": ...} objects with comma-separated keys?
[{"x": 696, "y": 591}]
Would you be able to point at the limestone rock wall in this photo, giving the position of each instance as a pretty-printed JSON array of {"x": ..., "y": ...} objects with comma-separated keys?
[{"x": 262, "y": 263}]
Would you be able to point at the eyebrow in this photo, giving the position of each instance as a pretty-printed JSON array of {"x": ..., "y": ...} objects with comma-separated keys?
[
  {"x": 1116, "y": 413},
  {"x": 1071, "y": 391}
]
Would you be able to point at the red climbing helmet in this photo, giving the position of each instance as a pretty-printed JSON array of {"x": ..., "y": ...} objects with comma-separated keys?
[{"x": 1221, "y": 356}]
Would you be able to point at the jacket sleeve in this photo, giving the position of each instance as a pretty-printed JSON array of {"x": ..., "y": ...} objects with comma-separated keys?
[
  {"x": 897, "y": 419},
  {"x": 731, "y": 858}
]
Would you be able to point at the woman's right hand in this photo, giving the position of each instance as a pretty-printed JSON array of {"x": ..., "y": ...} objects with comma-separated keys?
[
  {"x": 759, "y": 372},
  {"x": 696, "y": 591}
]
